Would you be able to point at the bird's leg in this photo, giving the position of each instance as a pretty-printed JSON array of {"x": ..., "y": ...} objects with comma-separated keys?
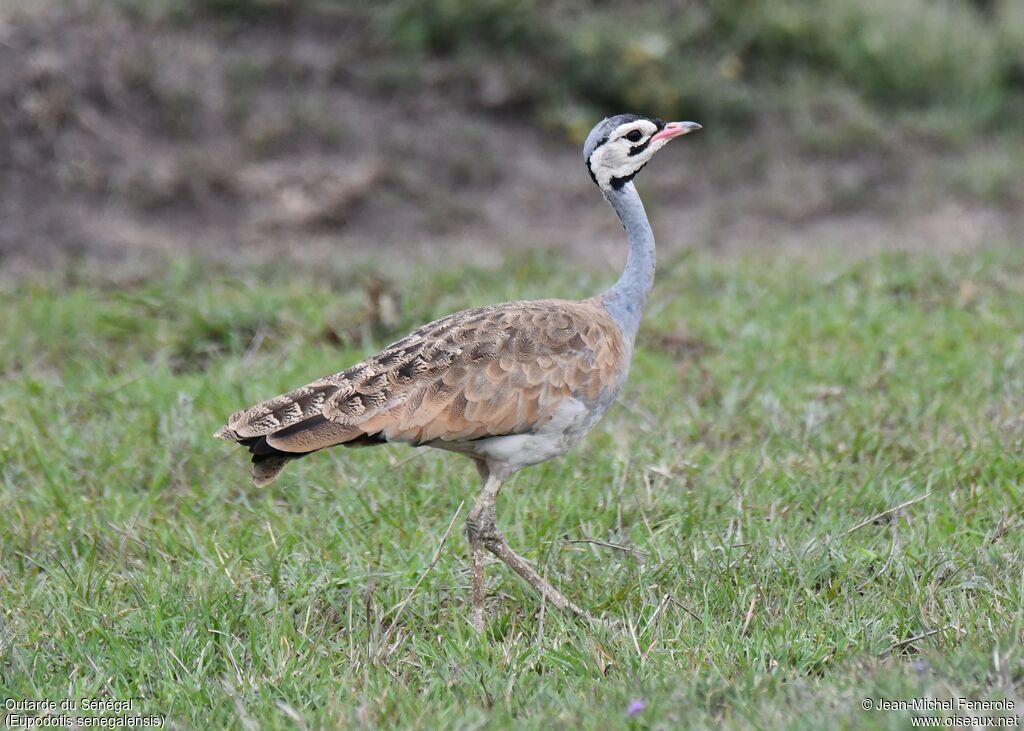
[
  {"x": 479, "y": 610},
  {"x": 475, "y": 525},
  {"x": 476, "y": 546},
  {"x": 483, "y": 533},
  {"x": 496, "y": 544}
]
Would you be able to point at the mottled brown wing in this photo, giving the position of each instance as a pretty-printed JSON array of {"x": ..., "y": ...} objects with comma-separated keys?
[
  {"x": 282, "y": 414},
  {"x": 489, "y": 372},
  {"x": 495, "y": 370}
]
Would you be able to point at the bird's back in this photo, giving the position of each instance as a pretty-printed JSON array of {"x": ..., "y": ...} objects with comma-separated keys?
[{"x": 496, "y": 371}]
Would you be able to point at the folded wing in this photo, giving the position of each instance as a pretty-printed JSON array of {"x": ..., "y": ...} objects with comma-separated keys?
[{"x": 491, "y": 371}]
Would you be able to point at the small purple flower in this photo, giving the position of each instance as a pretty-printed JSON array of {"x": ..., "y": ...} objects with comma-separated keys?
[{"x": 635, "y": 706}]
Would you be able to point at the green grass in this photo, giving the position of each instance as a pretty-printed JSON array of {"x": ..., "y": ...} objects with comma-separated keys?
[{"x": 774, "y": 407}]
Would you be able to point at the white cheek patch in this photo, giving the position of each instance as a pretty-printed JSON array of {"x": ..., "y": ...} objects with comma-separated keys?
[{"x": 613, "y": 160}]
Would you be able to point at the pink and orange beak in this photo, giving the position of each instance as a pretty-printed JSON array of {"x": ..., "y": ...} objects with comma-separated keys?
[{"x": 676, "y": 129}]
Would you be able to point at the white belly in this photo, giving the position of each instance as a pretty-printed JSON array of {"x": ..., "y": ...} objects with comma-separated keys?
[{"x": 570, "y": 423}]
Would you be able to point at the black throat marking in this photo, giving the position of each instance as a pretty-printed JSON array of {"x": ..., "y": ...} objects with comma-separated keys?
[{"x": 617, "y": 183}]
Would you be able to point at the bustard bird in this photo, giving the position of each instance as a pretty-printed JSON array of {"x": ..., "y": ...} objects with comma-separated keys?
[{"x": 509, "y": 385}]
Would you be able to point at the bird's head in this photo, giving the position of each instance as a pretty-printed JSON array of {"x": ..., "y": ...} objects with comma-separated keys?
[{"x": 618, "y": 147}]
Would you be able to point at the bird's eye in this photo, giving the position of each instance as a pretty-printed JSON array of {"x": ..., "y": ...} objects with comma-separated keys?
[{"x": 634, "y": 136}]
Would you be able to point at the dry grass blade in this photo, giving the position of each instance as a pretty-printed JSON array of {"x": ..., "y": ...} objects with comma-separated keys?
[
  {"x": 750, "y": 616},
  {"x": 884, "y": 513},
  {"x": 911, "y": 640},
  {"x": 605, "y": 544}
]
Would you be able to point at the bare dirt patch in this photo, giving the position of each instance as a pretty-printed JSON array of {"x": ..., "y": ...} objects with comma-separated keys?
[{"x": 126, "y": 138}]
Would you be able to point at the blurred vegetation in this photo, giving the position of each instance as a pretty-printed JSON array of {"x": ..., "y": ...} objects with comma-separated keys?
[
  {"x": 728, "y": 60},
  {"x": 943, "y": 67}
]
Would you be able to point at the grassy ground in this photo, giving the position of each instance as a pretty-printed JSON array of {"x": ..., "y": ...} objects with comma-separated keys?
[{"x": 779, "y": 414}]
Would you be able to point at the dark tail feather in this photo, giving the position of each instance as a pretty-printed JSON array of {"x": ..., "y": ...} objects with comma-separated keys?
[{"x": 268, "y": 461}]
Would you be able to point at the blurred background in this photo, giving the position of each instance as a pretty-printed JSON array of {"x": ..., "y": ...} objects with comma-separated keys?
[{"x": 313, "y": 129}]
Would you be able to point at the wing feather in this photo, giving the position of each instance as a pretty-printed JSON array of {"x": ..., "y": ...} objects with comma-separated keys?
[
  {"x": 504, "y": 370},
  {"x": 492, "y": 371}
]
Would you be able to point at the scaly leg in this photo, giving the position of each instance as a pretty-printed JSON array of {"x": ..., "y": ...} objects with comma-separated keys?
[
  {"x": 483, "y": 533},
  {"x": 479, "y": 611},
  {"x": 496, "y": 544},
  {"x": 477, "y": 549}
]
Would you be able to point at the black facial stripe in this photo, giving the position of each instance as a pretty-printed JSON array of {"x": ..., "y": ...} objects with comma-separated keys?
[{"x": 637, "y": 149}]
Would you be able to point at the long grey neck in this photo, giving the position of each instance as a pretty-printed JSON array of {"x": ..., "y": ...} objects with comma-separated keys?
[{"x": 626, "y": 299}]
